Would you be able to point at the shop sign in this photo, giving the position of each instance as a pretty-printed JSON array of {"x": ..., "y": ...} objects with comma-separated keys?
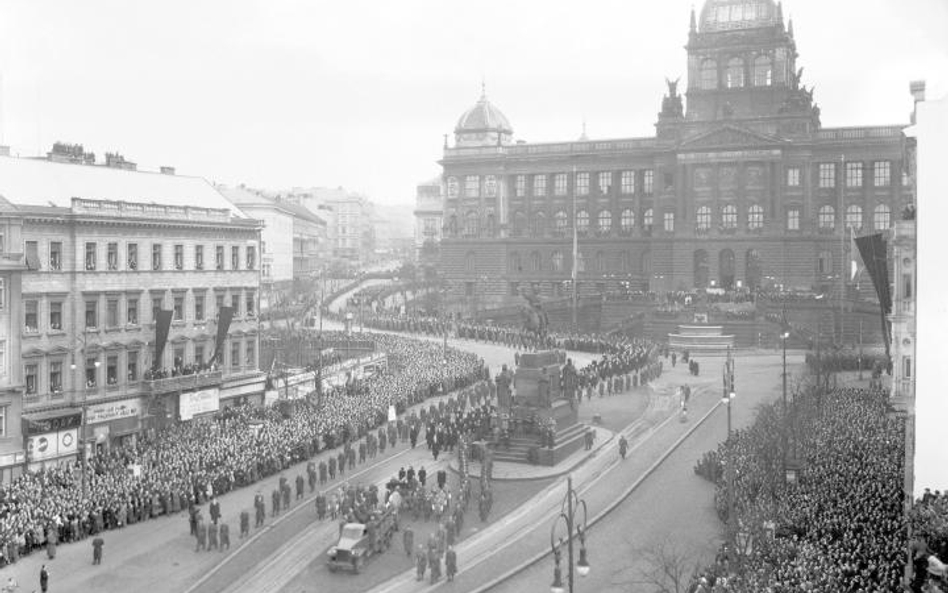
[
  {"x": 126, "y": 408},
  {"x": 195, "y": 403},
  {"x": 46, "y": 425},
  {"x": 51, "y": 445}
]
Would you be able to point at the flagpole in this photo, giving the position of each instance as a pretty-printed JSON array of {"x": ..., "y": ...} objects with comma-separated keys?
[
  {"x": 574, "y": 271},
  {"x": 842, "y": 244}
]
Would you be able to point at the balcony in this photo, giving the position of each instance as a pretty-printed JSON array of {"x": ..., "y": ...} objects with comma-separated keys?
[{"x": 182, "y": 383}]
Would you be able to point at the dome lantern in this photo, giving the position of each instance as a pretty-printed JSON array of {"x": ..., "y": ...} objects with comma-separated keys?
[{"x": 483, "y": 125}]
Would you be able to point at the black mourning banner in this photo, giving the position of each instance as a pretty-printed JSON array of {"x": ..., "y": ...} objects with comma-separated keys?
[
  {"x": 873, "y": 250},
  {"x": 224, "y": 317},
  {"x": 162, "y": 327}
]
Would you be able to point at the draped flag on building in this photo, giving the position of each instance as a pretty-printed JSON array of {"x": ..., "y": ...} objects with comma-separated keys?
[
  {"x": 162, "y": 327},
  {"x": 853, "y": 250},
  {"x": 224, "y": 318},
  {"x": 873, "y": 250}
]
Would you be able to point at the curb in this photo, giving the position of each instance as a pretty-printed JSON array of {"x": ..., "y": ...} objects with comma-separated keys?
[{"x": 602, "y": 514}]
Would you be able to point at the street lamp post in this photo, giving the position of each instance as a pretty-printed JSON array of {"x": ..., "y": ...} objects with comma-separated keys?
[
  {"x": 571, "y": 504},
  {"x": 727, "y": 399}
]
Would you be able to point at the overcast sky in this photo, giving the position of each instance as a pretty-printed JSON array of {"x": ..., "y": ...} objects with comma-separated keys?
[{"x": 358, "y": 93}]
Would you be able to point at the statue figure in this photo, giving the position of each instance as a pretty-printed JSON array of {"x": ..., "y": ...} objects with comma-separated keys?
[
  {"x": 534, "y": 317},
  {"x": 570, "y": 380},
  {"x": 671, "y": 103},
  {"x": 503, "y": 388},
  {"x": 672, "y": 87}
]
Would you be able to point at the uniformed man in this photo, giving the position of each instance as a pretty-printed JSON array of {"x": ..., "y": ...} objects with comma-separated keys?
[
  {"x": 408, "y": 538},
  {"x": 322, "y": 472},
  {"x": 342, "y": 463},
  {"x": 201, "y": 536},
  {"x": 320, "y": 506},
  {"x": 259, "y": 508},
  {"x": 286, "y": 495},
  {"x": 361, "y": 452},
  {"x": 244, "y": 524},
  {"x": 211, "y": 536},
  {"x": 421, "y": 563},
  {"x": 623, "y": 446},
  {"x": 225, "y": 536},
  {"x": 311, "y": 475},
  {"x": 275, "y": 503},
  {"x": 451, "y": 563},
  {"x": 435, "y": 562},
  {"x": 299, "y": 487},
  {"x": 332, "y": 467},
  {"x": 97, "y": 544},
  {"x": 215, "y": 510}
]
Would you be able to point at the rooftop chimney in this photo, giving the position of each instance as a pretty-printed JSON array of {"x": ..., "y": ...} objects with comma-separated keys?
[{"x": 167, "y": 170}]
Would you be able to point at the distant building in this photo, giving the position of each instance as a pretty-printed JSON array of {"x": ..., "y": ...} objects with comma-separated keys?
[
  {"x": 104, "y": 249},
  {"x": 351, "y": 232},
  {"x": 429, "y": 218},
  {"x": 741, "y": 185}
]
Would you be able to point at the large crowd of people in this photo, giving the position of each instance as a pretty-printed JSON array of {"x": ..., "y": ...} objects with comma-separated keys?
[
  {"x": 192, "y": 461},
  {"x": 839, "y": 526}
]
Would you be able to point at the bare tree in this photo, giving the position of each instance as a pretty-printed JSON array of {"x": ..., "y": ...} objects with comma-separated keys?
[{"x": 667, "y": 567}]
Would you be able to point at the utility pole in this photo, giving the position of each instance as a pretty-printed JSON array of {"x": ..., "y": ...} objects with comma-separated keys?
[{"x": 575, "y": 269}]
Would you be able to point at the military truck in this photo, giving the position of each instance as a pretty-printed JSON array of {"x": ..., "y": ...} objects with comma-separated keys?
[{"x": 361, "y": 541}]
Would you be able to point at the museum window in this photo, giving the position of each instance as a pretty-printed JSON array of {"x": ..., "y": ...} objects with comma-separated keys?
[
  {"x": 580, "y": 262},
  {"x": 56, "y": 315},
  {"x": 539, "y": 224},
  {"x": 219, "y": 257},
  {"x": 648, "y": 219},
  {"x": 669, "y": 222},
  {"x": 854, "y": 217},
  {"x": 111, "y": 313},
  {"x": 92, "y": 314},
  {"x": 729, "y": 217},
  {"x": 582, "y": 184},
  {"x": 881, "y": 173},
  {"x": 198, "y": 257},
  {"x": 557, "y": 261},
  {"x": 709, "y": 75},
  {"x": 55, "y": 255},
  {"x": 704, "y": 218},
  {"x": 539, "y": 185},
  {"x": 600, "y": 262},
  {"x": 536, "y": 262},
  {"x": 793, "y": 219},
  {"x": 519, "y": 224},
  {"x": 156, "y": 256},
  {"x": 520, "y": 186},
  {"x": 648, "y": 183},
  {"x": 763, "y": 71},
  {"x": 628, "y": 182},
  {"x": 627, "y": 220},
  {"x": 824, "y": 263},
  {"x": 56, "y": 377},
  {"x": 882, "y": 217},
  {"x": 111, "y": 256},
  {"x": 90, "y": 257},
  {"x": 513, "y": 263},
  {"x": 827, "y": 175},
  {"x": 131, "y": 311},
  {"x": 31, "y": 377},
  {"x": 235, "y": 258},
  {"x": 560, "y": 221},
  {"x": 755, "y": 217},
  {"x": 826, "y": 219},
  {"x": 133, "y": 256},
  {"x": 735, "y": 73},
  {"x": 472, "y": 186},
  {"x": 793, "y": 177},
  {"x": 605, "y": 182},
  {"x": 854, "y": 174},
  {"x": 559, "y": 184},
  {"x": 582, "y": 221},
  {"x": 470, "y": 224},
  {"x": 605, "y": 222}
]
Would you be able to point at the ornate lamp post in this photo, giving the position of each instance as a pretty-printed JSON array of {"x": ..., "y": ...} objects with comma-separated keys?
[
  {"x": 727, "y": 399},
  {"x": 571, "y": 504}
]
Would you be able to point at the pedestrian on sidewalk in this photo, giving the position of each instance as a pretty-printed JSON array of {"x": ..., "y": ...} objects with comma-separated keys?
[
  {"x": 244, "y": 524},
  {"x": 623, "y": 446},
  {"x": 451, "y": 563},
  {"x": 44, "y": 579},
  {"x": 97, "y": 544},
  {"x": 421, "y": 563},
  {"x": 408, "y": 538},
  {"x": 225, "y": 536}
]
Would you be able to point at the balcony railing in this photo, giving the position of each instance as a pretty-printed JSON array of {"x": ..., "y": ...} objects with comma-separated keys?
[{"x": 182, "y": 382}]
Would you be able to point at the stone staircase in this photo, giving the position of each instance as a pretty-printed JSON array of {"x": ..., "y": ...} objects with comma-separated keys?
[{"x": 568, "y": 440}]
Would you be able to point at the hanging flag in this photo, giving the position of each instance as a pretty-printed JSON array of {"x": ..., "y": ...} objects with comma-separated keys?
[
  {"x": 224, "y": 318},
  {"x": 162, "y": 327},
  {"x": 854, "y": 265},
  {"x": 873, "y": 250}
]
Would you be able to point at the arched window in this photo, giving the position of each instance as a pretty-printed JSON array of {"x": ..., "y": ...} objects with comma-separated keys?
[
  {"x": 559, "y": 221},
  {"x": 539, "y": 224},
  {"x": 580, "y": 262},
  {"x": 854, "y": 217},
  {"x": 827, "y": 217},
  {"x": 470, "y": 261},
  {"x": 519, "y": 223},
  {"x": 605, "y": 222},
  {"x": 755, "y": 217},
  {"x": 470, "y": 224},
  {"x": 735, "y": 73},
  {"x": 704, "y": 218},
  {"x": 627, "y": 220},
  {"x": 622, "y": 261},
  {"x": 515, "y": 266},
  {"x": 491, "y": 224},
  {"x": 648, "y": 219},
  {"x": 709, "y": 75},
  {"x": 763, "y": 71},
  {"x": 557, "y": 261},
  {"x": 536, "y": 262},
  {"x": 582, "y": 221},
  {"x": 600, "y": 262},
  {"x": 729, "y": 217},
  {"x": 883, "y": 217},
  {"x": 824, "y": 263},
  {"x": 453, "y": 225}
]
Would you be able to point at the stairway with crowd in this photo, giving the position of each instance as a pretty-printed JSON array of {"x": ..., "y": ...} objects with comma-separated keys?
[{"x": 191, "y": 462}]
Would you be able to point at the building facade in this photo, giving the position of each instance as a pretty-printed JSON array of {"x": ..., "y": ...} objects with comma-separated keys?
[
  {"x": 740, "y": 186},
  {"x": 106, "y": 249},
  {"x": 429, "y": 220}
]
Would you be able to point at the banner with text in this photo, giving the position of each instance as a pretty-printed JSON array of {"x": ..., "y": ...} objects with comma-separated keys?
[
  {"x": 199, "y": 402},
  {"x": 126, "y": 408}
]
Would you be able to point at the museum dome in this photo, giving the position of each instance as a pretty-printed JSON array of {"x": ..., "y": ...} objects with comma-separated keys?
[
  {"x": 729, "y": 15},
  {"x": 483, "y": 117}
]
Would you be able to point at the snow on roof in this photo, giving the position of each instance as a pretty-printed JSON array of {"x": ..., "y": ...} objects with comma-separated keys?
[{"x": 36, "y": 182}]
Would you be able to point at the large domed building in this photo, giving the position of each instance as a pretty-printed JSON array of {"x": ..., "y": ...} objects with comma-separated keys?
[{"x": 740, "y": 186}]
